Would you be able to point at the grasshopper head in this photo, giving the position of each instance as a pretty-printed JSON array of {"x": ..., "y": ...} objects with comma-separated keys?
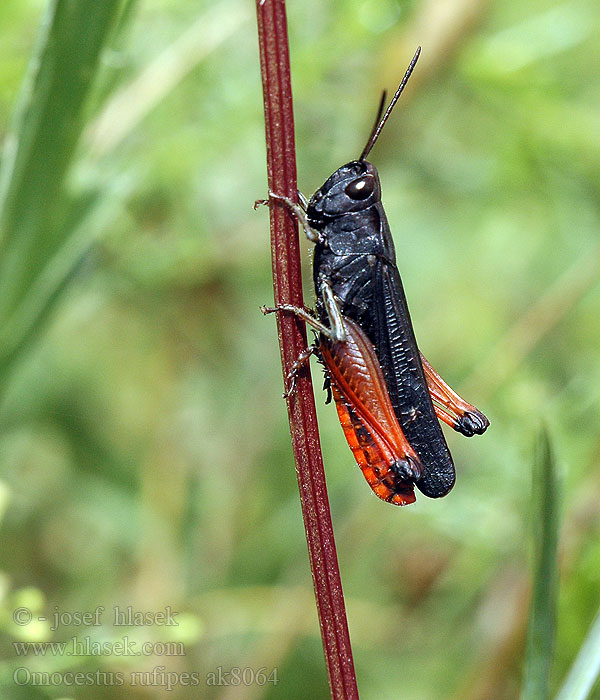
[{"x": 352, "y": 188}]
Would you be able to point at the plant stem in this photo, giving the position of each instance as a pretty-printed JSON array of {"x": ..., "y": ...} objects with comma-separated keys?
[{"x": 287, "y": 282}]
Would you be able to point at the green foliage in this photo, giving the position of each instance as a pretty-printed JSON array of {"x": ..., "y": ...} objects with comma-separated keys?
[
  {"x": 38, "y": 149},
  {"x": 144, "y": 447},
  {"x": 541, "y": 633},
  {"x": 586, "y": 667}
]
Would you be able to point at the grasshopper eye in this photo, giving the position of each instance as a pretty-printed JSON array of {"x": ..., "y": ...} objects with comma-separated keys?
[{"x": 361, "y": 188}]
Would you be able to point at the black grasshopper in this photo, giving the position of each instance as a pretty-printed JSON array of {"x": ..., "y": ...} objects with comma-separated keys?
[{"x": 355, "y": 266}]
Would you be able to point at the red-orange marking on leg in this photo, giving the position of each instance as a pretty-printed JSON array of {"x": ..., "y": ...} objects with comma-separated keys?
[
  {"x": 453, "y": 407},
  {"x": 367, "y": 417}
]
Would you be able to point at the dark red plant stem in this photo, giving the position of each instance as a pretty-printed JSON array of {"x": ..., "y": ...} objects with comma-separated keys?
[{"x": 287, "y": 281}]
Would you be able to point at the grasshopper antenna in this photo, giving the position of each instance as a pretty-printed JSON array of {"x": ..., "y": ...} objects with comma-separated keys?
[
  {"x": 375, "y": 123},
  {"x": 379, "y": 124}
]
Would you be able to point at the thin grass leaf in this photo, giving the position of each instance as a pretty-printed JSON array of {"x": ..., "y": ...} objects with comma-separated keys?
[
  {"x": 46, "y": 291},
  {"x": 539, "y": 649},
  {"x": 40, "y": 144},
  {"x": 132, "y": 102},
  {"x": 585, "y": 670}
]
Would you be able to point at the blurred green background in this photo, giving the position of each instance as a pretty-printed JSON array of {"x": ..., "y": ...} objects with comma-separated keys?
[{"x": 144, "y": 447}]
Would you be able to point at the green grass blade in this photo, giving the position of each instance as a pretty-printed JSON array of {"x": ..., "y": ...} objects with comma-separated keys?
[
  {"x": 42, "y": 139},
  {"x": 585, "y": 669},
  {"x": 541, "y": 631},
  {"x": 47, "y": 289}
]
